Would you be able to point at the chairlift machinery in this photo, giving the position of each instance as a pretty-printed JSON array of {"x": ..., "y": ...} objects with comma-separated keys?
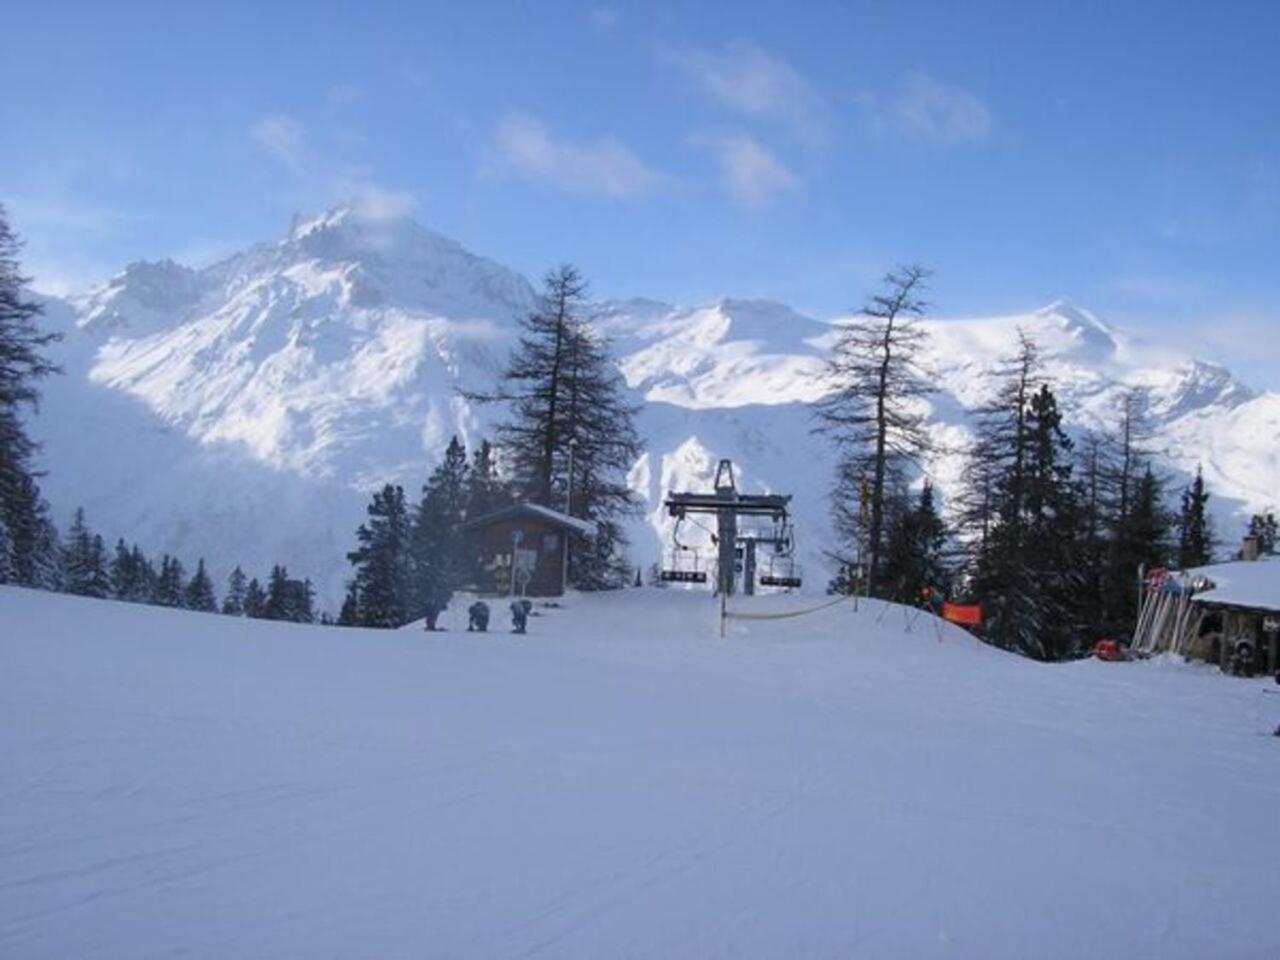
[{"x": 731, "y": 540}]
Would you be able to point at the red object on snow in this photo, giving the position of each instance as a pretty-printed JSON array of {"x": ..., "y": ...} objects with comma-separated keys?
[
  {"x": 1109, "y": 650},
  {"x": 965, "y": 614}
]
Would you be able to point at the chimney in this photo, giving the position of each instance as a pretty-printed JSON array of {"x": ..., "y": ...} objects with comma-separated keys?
[{"x": 1249, "y": 549}]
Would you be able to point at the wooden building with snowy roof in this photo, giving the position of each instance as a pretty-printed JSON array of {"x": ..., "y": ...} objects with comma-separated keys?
[
  {"x": 1225, "y": 613},
  {"x": 523, "y": 549}
]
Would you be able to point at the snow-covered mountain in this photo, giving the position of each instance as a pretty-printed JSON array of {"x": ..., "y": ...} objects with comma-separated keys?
[{"x": 243, "y": 411}]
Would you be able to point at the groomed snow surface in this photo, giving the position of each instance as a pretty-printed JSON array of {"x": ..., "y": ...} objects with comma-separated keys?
[{"x": 619, "y": 783}]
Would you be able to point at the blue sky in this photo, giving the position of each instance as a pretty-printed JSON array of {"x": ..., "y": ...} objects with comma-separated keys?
[{"x": 1123, "y": 156}]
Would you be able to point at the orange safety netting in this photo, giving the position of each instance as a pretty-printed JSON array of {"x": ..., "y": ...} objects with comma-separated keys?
[{"x": 965, "y": 614}]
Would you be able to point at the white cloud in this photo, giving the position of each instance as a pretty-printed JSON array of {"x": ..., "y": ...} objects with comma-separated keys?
[
  {"x": 283, "y": 138},
  {"x": 752, "y": 175},
  {"x": 378, "y": 204},
  {"x": 318, "y": 179},
  {"x": 60, "y": 278},
  {"x": 749, "y": 80},
  {"x": 525, "y": 148},
  {"x": 925, "y": 110}
]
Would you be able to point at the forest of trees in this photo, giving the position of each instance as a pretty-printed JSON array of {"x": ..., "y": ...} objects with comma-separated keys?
[
  {"x": 412, "y": 557},
  {"x": 126, "y": 573},
  {"x": 1047, "y": 533}
]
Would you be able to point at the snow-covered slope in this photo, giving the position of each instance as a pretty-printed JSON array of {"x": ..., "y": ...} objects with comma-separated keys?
[
  {"x": 618, "y": 783},
  {"x": 243, "y": 411}
]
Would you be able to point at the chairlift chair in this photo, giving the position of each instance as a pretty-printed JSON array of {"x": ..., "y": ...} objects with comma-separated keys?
[
  {"x": 781, "y": 569},
  {"x": 684, "y": 565}
]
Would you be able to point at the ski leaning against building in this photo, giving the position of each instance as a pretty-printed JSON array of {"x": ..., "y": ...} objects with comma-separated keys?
[
  {"x": 523, "y": 549},
  {"x": 1224, "y": 613}
]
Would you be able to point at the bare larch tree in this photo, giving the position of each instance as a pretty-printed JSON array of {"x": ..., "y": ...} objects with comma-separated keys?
[{"x": 873, "y": 410}]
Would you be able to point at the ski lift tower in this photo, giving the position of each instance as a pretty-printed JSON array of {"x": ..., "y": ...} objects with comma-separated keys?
[{"x": 728, "y": 505}]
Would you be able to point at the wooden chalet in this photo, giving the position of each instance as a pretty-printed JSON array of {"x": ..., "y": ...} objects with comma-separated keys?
[
  {"x": 523, "y": 549},
  {"x": 1224, "y": 613}
]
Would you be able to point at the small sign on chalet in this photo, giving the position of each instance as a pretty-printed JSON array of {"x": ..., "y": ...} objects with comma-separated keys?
[{"x": 522, "y": 549}]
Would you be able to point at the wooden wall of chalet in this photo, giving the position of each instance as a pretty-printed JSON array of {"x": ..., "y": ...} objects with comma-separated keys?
[{"x": 495, "y": 543}]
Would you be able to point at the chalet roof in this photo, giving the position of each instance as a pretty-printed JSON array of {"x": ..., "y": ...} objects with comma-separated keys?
[
  {"x": 537, "y": 511},
  {"x": 1254, "y": 584}
]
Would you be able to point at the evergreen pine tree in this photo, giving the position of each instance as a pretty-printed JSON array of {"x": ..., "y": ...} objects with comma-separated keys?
[
  {"x": 1195, "y": 534},
  {"x": 349, "y": 615},
  {"x": 84, "y": 561},
  {"x": 1053, "y": 526},
  {"x": 170, "y": 585},
  {"x": 872, "y": 413},
  {"x": 76, "y": 559},
  {"x": 33, "y": 555},
  {"x": 486, "y": 492},
  {"x": 1094, "y": 469},
  {"x": 122, "y": 576},
  {"x": 285, "y": 598},
  {"x": 1026, "y": 569},
  {"x": 1262, "y": 526},
  {"x": 303, "y": 605},
  {"x": 145, "y": 577},
  {"x": 383, "y": 562},
  {"x": 995, "y": 479},
  {"x": 131, "y": 575},
  {"x": 915, "y": 549},
  {"x": 441, "y": 560},
  {"x": 34, "y": 542},
  {"x": 1142, "y": 542},
  {"x": 6, "y": 552},
  {"x": 98, "y": 583},
  {"x": 233, "y": 602},
  {"x": 279, "y": 603},
  {"x": 199, "y": 592},
  {"x": 255, "y": 600}
]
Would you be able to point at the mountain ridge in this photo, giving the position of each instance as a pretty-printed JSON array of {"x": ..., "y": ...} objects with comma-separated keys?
[{"x": 328, "y": 362}]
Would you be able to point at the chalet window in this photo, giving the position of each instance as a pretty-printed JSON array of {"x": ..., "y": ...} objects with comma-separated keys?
[{"x": 550, "y": 542}]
